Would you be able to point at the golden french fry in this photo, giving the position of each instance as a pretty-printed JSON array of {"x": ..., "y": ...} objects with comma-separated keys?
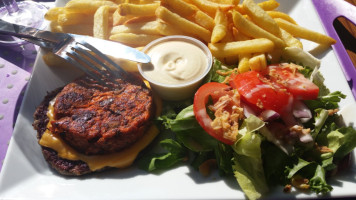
[
  {"x": 220, "y": 27},
  {"x": 180, "y": 7},
  {"x": 88, "y": 6},
  {"x": 52, "y": 14},
  {"x": 258, "y": 62},
  {"x": 183, "y": 24},
  {"x": 204, "y": 20},
  {"x": 260, "y": 17},
  {"x": 278, "y": 14},
  {"x": 137, "y": 9},
  {"x": 74, "y": 18},
  {"x": 238, "y": 36},
  {"x": 101, "y": 23},
  {"x": 119, "y": 19},
  {"x": 211, "y": 7},
  {"x": 244, "y": 64},
  {"x": 229, "y": 36},
  {"x": 250, "y": 29},
  {"x": 259, "y": 45},
  {"x": 135, "y": 1},
  {"x": 133, "y": 39},
  {"x": 222, "y": 1},
  {"x": 140, "y": 19},
  {"x": 290, "y": 40},
  {"x": 269, "y": 5},
  {"x": 52, "y": 60},
  {"x": 80, "y": 29},
  {"x": 301, "y": 32},
  {"x": 151, "y": 28},
  {"x": 126, "y": 65}
]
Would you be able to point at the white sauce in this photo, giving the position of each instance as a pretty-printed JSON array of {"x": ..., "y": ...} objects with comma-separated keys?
[{"x": 175, "y": 62}]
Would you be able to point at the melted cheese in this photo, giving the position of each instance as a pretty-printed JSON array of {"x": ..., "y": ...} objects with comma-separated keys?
[{"x": 119, "y": 160}]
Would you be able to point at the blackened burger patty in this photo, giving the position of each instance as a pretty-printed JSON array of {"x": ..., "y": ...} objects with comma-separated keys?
[{"x": 95, "y": 119}]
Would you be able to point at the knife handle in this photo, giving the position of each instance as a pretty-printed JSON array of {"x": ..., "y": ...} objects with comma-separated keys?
[
  {"x": 328, "y": 11},
  {"x": 30, "y": 34}
]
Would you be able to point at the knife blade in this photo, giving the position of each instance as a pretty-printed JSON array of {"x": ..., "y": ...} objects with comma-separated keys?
[{"x": 115, "y": 49}]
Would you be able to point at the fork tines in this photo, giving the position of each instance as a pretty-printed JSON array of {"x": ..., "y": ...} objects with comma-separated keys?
[{"x": 90, "y": 60}]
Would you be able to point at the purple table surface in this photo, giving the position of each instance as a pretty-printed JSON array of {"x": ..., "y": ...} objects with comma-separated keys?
[
  {"x": 15, "y": 71},
  {"x": 16, "y": 63}
]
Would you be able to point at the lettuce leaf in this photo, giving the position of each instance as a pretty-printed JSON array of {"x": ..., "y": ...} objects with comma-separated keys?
[
  {"x": 248, "y": 166},
  {"x": 318, "y": 183},
  {"x": 176, "y": 153}
]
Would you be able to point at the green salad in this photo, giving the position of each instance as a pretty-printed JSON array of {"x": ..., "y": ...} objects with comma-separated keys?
[{"x": 265, "y": 152}]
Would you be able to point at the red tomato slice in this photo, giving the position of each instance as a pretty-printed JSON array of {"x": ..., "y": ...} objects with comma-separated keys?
[
  {"x": 301, "y": 87},
  {"x": 257, "y": 90},
  {"x": 201, "y": 98}
]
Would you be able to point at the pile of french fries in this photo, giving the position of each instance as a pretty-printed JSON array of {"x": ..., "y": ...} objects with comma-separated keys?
[{"x": 245, "y": 34}]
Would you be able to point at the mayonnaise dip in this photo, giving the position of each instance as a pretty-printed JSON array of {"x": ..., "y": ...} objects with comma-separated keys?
[
  {"x": 178, "y": 66},
  {"x": 175, "y": 62}
]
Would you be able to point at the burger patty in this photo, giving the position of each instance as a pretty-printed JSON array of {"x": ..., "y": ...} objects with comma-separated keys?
[
  {"x": 63, "y": 166},
  {"x": 95, "y": 119}
]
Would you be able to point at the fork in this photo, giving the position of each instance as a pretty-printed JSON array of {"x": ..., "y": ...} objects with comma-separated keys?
[{"x": 73, "y": 48}]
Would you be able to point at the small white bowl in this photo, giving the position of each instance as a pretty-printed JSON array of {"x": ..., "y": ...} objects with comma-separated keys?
[{"x": 180, "y": 91}]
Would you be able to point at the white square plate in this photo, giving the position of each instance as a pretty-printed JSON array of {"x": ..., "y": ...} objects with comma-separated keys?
[{"x": 26, "y": 175}]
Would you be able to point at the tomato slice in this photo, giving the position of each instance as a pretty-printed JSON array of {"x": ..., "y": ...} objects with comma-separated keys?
[
  {"x": 301, "y": 87},
  {"x": 201, "y": 98},
  {"x": 258, "y": 90}
]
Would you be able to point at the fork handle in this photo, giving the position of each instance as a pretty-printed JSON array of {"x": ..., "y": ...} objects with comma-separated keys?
[{"x": 20, "y": 31}]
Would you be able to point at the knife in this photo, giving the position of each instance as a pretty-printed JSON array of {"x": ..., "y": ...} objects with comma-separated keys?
[
  {"x": 328, "y": 11},
  {"x": 47, "y": 39}
]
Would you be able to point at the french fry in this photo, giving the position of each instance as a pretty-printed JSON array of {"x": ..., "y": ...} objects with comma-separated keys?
[
  {"x": 258, "y": 62},
  {"x": 101, "y": 23},
  {"x": 260, "y": 45},
  {"x": 183, "y": 24},
  {"x": 250, "y": 29},
  {"x": 119, "y": 19},
  {"x": 133, "y": 39},
  {"x": 238, "y": 36},
  {"x": 211, "y": 7},
  {"x": 126, "y": 65},
  {"x": 290, "y": 40},
  {"x": 136, "y": 1},
  {"x": 204, "y": 20},
  {"x": 140, "y": 19},
  {"x": 137, "y": 9},
  {"x": 244, "y": 64},
  {"x": 52, "y": 14},
  {"x": 260, "y": 17},
  {"x": 70, "y": 18},
  {"x": 269, "y": 5},
  {"x": 278, "y": 14},
  {"x": 151, "y": 28},
  {"x": 189, "y": 11},
  {"x": 180, "y": 7},
  {"x": 220, "y": 27},
  {"x": 80, "y": 29},
  {"x": 88, "y": 6},
  {"x": 301, "y": 32},
  {"x": 229, "y": 36},
  {"x": 52, "y": 60},
  {"x": 222, "y": 1}
]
